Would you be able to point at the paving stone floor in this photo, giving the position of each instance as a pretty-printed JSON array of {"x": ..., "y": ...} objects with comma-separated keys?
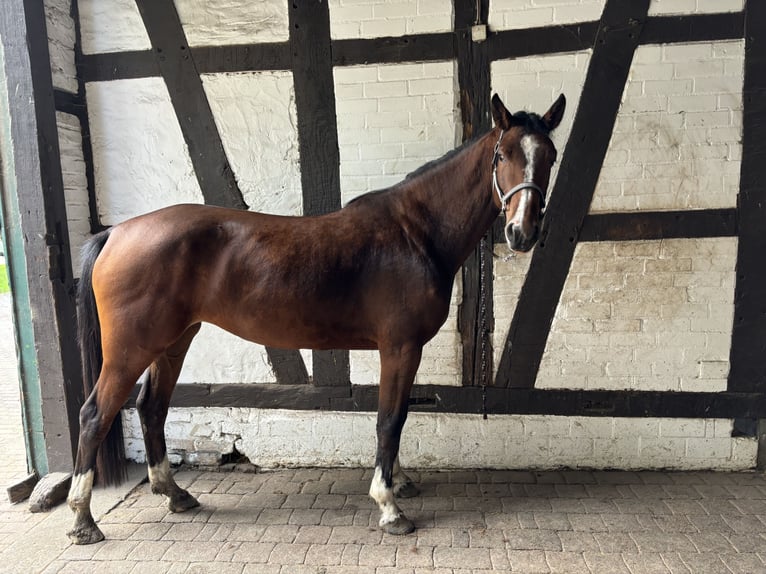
[{"x": 322, "y": 522}]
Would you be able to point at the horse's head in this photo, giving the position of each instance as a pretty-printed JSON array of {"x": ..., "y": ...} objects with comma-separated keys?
[{"x": 521, "y": 166}]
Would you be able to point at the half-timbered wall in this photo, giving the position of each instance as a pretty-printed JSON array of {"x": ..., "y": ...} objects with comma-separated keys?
[{"x": 625, "y": 340}]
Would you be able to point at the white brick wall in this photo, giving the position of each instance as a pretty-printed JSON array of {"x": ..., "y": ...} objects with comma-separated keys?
[
  {"x": 391, "y": 120},
  {"x": 75, "y": 184},
  {"x": 256, "y": 117},
  {"x": 272, "y": 438},
  {"x": 644, "y": 315},
  {"x": 220, "y": 22},
  {"x": 677, "y": 139},
  {"x": 216, "y": 356},
  {"x": 379, "y": 18},
  {"x": 535, "y": 13},
  {"x": 141, "y": 161},
  {"x": 667, "y": 7},
  {"x": 111, "y": 26},
  {"x": 61, "y": 38}
]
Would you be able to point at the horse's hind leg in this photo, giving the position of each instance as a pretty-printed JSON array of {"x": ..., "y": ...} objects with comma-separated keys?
[
  {"x": 403, "y": 485},
  {"x": 96, "y": 417},
  {"x": 152, "y": 405},
  {"x": 398, "y": 367}
]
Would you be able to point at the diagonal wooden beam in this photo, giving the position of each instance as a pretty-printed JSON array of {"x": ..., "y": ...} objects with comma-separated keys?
[
  {"x": 616, "y": 40},
  {"x": 200, "y": 132},
  {"x": 747, "y": 357}
]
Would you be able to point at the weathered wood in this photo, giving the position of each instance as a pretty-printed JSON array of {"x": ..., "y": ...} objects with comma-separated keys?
[
  {"x": 50, "y": 491},
  {"x": 245, "y": 58},
  {"x": 747, "y": 357},
  {"x": 647, "y": 225},
  {"x": 21, "y": 489},
  {"x": 615, "y": 43},
  {"x": 693, "y": 28},
  {"x": 318, "y": 141},
  {"x": 544, "y": 40},
  {"x": 420, "y": 48},
  {"x": 475, "y": 319},
  {"x": 38, "y": 240},
  {"x": 452, "y": 399},
  {"x": 126, "y": 65}
]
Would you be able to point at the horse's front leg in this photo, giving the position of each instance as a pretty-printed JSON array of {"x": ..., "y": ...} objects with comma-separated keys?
[{"x": 397, "y": 373}]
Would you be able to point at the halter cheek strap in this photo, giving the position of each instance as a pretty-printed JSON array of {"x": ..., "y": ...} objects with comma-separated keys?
[{"x": 506, "y": 197}]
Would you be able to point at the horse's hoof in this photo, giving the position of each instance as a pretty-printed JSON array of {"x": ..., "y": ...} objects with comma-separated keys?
[
  {"x": 406, "y": 490},
  {"x": 182, "y": 502},
  {"x": 88, "y": 534},
  {"x": 399, "y": 527}
]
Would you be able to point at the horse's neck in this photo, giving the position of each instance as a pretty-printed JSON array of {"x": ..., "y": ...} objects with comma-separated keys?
[{"x": 455, "y": 206}]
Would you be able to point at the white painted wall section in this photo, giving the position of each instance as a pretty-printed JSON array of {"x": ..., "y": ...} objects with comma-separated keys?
[
  {"x": 141, "y": 162},
  {"x": 111, "y": 26},
  {"x": 61, "y": 39},
  {"x": 256, "y": 117},
  {"x": 223, "y": 22},
  {"x": 378, "y": 18},
  {"x": 278, "y": 438},
  {"x": 75, "y": 184}
]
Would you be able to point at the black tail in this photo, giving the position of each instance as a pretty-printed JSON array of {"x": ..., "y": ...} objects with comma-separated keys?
[{"x": 111, "y": 467}]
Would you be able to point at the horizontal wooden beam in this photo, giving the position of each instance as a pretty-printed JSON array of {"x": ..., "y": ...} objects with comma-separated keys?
[
  {"x": 468, "y": 400},
  {"x": 693, "y": 28},
  {"x": 420, "y": 48},
  {"x": 635, "y": 226},
  {"x": 501, "y": 45}
]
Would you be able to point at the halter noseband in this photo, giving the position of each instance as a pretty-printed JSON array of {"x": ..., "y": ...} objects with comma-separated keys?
[{"x": 506, "y": 197}]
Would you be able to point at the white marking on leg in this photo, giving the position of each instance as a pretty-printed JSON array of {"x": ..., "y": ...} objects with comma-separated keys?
[
  {"x": 160, "y": 476},
  {"x": 384, "y": 496},
  {"x": 80, "y": 490}
]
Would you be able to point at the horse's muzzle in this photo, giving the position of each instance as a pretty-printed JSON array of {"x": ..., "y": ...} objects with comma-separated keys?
[{"x": 519, "y": 238}]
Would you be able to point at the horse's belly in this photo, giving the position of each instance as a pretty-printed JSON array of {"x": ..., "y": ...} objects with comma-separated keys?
[{"x": 286, "y": 331}]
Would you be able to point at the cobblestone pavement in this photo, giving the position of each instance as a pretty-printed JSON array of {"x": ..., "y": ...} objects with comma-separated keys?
[
  {"x": 13, "y": 456},
  {"x": 322, "y": 522}
]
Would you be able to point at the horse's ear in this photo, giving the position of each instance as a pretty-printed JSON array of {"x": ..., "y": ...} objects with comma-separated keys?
[
  {"x": 552, "y": 117},
  {"x": 500, "y": 115}
]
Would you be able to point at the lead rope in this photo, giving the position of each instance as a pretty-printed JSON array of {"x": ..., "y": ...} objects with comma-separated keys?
[{"x": 483, "y": 331}]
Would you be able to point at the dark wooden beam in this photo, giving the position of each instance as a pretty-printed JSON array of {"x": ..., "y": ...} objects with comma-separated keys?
[
  {"x": 119, "y": 66},
  {"x": 468, "y": 400},
  {"x": 244, "y": 58},
  {"x": 507, "y": 44},
  {"x": 693, "y": 28},
  {"x": 642, "y": 226},
  {"x": 420, "y": 48},
  {"x": 747, "y": 357},
  {"x": 318, "y": 141},
  {"x": 37, "y": 241},
  {"x": 615, "y": 43},
  {"x": 475, "y": 319}
]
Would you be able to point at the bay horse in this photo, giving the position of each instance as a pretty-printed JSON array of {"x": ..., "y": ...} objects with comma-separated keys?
[{"x": 377, "y": 274}]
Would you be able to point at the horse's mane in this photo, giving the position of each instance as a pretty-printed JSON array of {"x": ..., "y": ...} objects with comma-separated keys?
[{"x": 527, "y": 121}]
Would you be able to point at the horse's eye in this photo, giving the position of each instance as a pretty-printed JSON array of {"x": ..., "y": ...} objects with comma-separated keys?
[{"x": 501, "y": 157}]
